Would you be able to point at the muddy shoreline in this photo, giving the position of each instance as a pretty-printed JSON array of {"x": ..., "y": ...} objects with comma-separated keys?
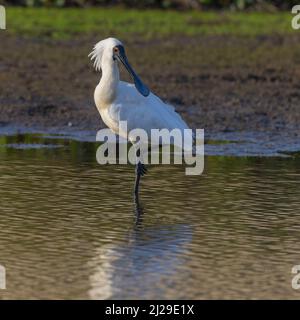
[{"x": 223, "y": 84}]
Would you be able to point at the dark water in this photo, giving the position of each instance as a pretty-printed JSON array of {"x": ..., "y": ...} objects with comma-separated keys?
[{"x": 69, "y": 229}]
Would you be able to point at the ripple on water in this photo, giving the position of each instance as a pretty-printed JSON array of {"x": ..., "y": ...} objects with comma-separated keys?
[{"x": 69, "y": 230}]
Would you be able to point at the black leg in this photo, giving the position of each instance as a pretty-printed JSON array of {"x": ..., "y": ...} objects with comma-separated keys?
[{"x": 140, "y": 171}]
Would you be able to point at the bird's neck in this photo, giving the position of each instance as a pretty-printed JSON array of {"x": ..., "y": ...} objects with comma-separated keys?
[{"x": 109, "y": 82}]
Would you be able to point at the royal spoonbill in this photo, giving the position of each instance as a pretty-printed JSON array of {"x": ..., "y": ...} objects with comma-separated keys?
[{"x": 119, "y": 101}]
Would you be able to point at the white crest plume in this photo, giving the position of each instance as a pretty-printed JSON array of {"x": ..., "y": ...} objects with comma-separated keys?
[{"x": 99, "y": 48}]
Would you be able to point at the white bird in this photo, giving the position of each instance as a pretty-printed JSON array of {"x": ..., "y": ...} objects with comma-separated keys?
[{"x": 122, "y": 101}]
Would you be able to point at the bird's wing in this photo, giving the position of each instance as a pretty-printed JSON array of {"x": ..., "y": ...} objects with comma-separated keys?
[
  {"x": 147, "y": 113},
  {"x": 144, "y": 112}
]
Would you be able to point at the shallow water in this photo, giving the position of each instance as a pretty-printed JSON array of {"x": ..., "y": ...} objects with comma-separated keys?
[{"x": 69, "y": 228}]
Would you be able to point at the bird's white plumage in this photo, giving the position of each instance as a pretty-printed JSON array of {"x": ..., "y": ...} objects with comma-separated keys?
[
  {"x": 99, "y": 48},
  {"x": 120, "y": 101},
  {"x": 142, "y": 112}
]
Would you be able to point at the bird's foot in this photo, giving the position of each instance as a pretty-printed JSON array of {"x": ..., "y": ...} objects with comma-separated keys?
[{"x": 141, "y": 169}]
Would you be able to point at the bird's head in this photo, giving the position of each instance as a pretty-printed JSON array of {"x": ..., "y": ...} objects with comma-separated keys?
[{"x": 112, "y": 50}]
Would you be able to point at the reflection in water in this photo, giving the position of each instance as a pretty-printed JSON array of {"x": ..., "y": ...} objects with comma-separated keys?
[
  {"x": 68, "y": 228},
  {"x": 138, "y": 211},
  {"x": 141, "y": 263}
]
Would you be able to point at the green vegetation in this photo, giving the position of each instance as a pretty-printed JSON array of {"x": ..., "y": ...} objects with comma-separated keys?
[
  {"x": 66, "y": 23},
  {"x": 166, "y": 4}
]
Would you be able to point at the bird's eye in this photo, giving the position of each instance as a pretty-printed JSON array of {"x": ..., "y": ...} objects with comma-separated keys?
[{"x": 116, "y": 50}]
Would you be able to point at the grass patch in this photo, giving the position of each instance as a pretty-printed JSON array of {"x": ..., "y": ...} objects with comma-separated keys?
[{"x": 66, "y": 23}]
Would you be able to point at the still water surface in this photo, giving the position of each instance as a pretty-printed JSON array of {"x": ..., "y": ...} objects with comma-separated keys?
[{"x": 69, "y": 228}]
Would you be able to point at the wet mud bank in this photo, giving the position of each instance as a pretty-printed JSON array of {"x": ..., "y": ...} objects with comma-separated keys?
[{"x": 226, "y": 85}]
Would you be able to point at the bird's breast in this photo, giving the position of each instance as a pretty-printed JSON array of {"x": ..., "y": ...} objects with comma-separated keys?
[{"x": 107, "y": 118}]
